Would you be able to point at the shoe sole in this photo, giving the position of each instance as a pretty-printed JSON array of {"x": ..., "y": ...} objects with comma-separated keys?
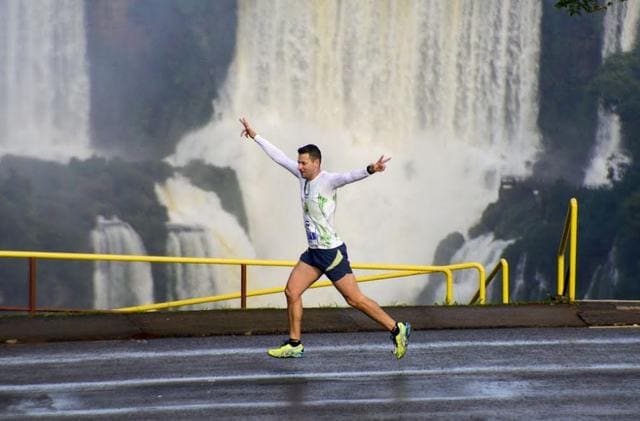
[
  {"x": 286, "y": 356},
  {"x": 296, "y": 355}
]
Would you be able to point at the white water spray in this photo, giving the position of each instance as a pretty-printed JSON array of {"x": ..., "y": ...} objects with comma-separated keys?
[
  {"x": 485, "y": 250},
  {"x": 44, "y": 86},
  {"x": 621, "y": 23},
  {"x": 200, "y": 227},
  {"x": 119, "y": 284},
  {"x": 447, "y": 88}
]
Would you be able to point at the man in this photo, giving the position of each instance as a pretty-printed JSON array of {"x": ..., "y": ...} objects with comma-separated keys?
[{"x": 327, "y": 253}]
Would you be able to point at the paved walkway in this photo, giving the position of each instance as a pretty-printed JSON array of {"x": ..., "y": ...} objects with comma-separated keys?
[{"x": 19, "y": 328}]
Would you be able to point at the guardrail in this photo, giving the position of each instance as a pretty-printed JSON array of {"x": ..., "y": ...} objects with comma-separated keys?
[
  {"x": 570, "y": 238},
  {"x": 501, "y": 265},
  {"x": 400, "y": 271}
]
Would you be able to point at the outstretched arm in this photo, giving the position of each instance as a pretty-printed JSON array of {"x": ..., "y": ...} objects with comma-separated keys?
[
  {"x": 340, "y": 179},
  {"x": 271, "y": 150}
]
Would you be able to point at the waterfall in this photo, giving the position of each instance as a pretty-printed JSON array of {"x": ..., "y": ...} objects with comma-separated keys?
[
  {"x": 604, "y": 280},
  {"x": 44, "y": 86},
  {"x": 620, "y": 29},
  {"x": 186, "y": 281},
  {"x": 200, "y": 227},
  {"x": 119, "y": 284},
  {"x": 485, "y": 250},
  {"x": 447, "y": 88}
]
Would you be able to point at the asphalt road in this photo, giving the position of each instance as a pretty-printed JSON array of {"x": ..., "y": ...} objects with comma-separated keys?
[{"x": 559, "y": 373}]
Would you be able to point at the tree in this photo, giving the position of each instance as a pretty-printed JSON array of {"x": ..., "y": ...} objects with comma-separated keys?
[{"x": 576, "y": 7}]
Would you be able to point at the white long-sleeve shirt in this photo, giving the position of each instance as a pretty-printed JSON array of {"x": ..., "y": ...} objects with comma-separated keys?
[{"x": 318, "y": 197}]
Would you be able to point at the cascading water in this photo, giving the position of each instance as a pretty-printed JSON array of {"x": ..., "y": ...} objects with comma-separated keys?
[
  {"x": 447, "y": 88},
  {"x": 44, "y": 87},
  {"x": 119, "y": 284},
  {"x": 187, "y": 281},
  {"x": 604, "y": 280},
  {"x": 484, "y": 249},
  {"x": 621, "y": 23},
  {"x": 200, "y": 227}
]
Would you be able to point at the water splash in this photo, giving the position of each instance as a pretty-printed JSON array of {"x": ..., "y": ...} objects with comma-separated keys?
[{"x": 200, "y": 227}]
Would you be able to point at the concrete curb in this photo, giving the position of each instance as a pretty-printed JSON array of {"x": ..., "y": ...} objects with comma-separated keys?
[{"x": 27, "y": 328}]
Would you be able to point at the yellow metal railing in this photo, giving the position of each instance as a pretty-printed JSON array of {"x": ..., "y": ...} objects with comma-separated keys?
[
  {"x": 570, "y": 238},
  {"x": 400, "y": 271},
  {"x": 501, "y": 265}
]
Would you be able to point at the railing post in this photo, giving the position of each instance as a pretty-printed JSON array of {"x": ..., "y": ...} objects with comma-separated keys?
[
  {"x": 573, "y": 249},
  {"x": 449, "y": 297},
  {"x": 505, "y": 281},
  {"x": 560, "y": 270},
  {"x": 483, "y": 285},
  {"x": 32, "y": 284},
  {"x": 243, "y": 286}
]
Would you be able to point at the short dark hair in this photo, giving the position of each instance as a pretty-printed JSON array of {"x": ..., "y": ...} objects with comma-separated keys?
[{"x": 312, "y": 150}]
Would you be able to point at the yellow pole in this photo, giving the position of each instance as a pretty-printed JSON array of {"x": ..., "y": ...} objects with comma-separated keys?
[
  {"x": 449, "y": 297},
  {"x": 483, "y": 285},
  {"x": 505, "y": 281},
  {"x": 150, "y": 259},
  {"x": 481, "y": 276},
  {"x": 236, "y": 295},
  {"x": 573, "y": 246},
  {"x": 560, "y": 266}
]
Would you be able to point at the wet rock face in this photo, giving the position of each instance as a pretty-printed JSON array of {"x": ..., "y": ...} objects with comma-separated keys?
[{"x": 155, "y": 67}]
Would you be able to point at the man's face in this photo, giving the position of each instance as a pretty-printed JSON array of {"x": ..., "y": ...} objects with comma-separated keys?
[{"x": 308, "y": 167}]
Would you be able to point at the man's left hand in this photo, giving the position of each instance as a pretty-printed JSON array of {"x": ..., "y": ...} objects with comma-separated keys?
[{"x": 380, "y": 165}]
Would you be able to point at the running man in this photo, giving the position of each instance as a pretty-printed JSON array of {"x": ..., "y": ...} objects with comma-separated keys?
[{"x": 327, "y": 253}]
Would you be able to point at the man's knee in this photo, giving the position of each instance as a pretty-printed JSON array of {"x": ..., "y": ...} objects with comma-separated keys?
[
  {"x": 356, "y": 300},
  {"x": 292, "y": 294}
]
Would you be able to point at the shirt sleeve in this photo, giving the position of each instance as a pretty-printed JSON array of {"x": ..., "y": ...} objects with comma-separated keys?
[
  {"x": 340, "y": 179},
  {"x": 277, "y": 155}
]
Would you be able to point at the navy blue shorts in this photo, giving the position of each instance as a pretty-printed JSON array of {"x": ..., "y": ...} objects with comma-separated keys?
[{"x": 332, "y": 262}]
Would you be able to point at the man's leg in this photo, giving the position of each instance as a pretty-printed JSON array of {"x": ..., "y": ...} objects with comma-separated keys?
[
  {"x": 300, "y": 279},
  {"x": 350, "y": 290},
  {"x": 400, "y": 332}
]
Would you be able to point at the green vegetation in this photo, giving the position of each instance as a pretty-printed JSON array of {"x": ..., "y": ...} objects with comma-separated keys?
[{"x": 576, "y": 7}]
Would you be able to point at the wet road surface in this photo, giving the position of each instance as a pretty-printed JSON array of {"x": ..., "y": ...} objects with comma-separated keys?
[{"x": 559, "y": 373}]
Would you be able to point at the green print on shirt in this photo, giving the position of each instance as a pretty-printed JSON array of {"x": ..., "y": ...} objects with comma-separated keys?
[
  {"x": 325, "y": 235},
  {"x": 322, "y": 201}
]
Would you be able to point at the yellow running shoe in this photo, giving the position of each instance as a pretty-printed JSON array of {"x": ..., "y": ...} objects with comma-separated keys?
[
  {"x": 287, "y": 351},
  {"x": 401, "y": 340}
]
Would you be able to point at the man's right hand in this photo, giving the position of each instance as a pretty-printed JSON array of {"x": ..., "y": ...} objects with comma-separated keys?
[{"x": 247, "y": 131}]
